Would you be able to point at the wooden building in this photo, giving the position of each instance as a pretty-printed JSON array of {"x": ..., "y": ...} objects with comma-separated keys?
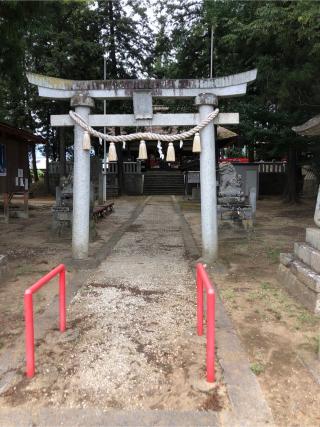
[{"x": 14, "y": 168}]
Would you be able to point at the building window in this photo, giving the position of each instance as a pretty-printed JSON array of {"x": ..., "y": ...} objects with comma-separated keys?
[{"x": 3, "y": 160}]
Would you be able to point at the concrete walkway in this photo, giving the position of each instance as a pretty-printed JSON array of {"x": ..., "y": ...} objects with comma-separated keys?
[{"x": 131, "y": 344}]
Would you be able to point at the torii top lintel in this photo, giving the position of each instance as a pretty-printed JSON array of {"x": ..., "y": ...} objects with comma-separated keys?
[{"x": 228, "y": 86}]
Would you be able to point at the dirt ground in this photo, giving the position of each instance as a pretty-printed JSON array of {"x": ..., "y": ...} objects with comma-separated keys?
[
  {"x": 32, "y": 251},
  {"x": 131, "y": 341},
  {"x": 275, "y": 331}
]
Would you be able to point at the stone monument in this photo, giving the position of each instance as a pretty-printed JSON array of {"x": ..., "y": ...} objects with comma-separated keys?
[
  {"x": 62, "y": 210},
  {"x": 233, "y": 205},
  {"x": 299, "y": 272}
]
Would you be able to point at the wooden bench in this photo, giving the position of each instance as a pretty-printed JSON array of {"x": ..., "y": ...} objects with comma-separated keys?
[{"x": 102, "y": 211}]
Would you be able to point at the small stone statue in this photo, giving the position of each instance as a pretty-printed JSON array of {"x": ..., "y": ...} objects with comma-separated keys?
[{"x": 230, "y": 184}]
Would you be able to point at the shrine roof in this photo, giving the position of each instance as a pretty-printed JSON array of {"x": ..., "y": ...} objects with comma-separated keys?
[
  {"x": 21, "y": 134},
  {"x": 309, "y": 128}
]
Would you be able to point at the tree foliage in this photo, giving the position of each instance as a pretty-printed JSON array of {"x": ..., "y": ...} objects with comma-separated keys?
[
  {"x": 68, "y": 39},
  {"x": 280, "y": 39}
]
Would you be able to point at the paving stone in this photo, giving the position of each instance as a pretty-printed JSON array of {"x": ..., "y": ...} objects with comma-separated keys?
[
  {"x": 72, "y": 417},
  {"x": 15, "y": 418}
]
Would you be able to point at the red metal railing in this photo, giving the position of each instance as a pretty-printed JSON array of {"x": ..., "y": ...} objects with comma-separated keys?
[
  {"x": 28, "y": 312},
  {"x": 203, "y": 279}
]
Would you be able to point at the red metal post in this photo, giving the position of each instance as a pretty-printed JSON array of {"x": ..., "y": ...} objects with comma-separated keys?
[
  {"x": 62, "y": 299},
  {"x": 199, "y": 300},
  {"x": 204, "y": 281},
  {"x": 28, "y": 313},
  {"x": 210, "y": 336}
]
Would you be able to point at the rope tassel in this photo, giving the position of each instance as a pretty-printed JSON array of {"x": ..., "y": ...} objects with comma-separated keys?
[
  {"x": 171, "y": 156},
  {"x": 196, "y": 146},
  {"x": 86, "y": 143},
  {"x": 143, "y": 155},
  {"x": 112, "y": 155}
]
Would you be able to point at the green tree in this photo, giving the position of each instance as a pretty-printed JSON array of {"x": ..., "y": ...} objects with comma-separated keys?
[
  {"x": 279, "y": 38},
  {"x": 66, "y": 39}
]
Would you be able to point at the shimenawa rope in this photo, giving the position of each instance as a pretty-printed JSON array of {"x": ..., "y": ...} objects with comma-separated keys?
[{"x": 142, "y": 135}]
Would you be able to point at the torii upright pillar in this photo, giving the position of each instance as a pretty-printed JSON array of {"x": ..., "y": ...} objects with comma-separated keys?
[
  {"x": 81, "y": 182},
  {"x": 208, "y": 184}
]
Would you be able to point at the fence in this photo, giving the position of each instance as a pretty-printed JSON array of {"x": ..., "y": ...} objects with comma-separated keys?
[
  {"x": 132, "y": 167},
  {"x": 111, "y": 167},
  {"x": 28, "y": 312},
  {"x": 54, "y": 168},
  {"x": 272, "y": 167},
  {"x": 203, "y": 279},
  {"x": 128, "y": 167}
]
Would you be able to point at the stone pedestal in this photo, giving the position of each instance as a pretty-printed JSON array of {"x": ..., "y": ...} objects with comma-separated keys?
[
  {"x": 299, "y": 272},
  {"x": 196, "y": 194}
]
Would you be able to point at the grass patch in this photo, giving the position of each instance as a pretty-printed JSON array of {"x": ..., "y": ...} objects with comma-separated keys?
[
  {"x": 315, "y": 343},
  {"x": 257, "y": 368},
  {"x": 228, "y": 295},
  {"x": 306, "y": 318},
  {"x": 312, "y": 344},
  {"x": 265, "y": 286},
  {"x": 273, "y": 255},
  {"x": 24, "y": 269}
]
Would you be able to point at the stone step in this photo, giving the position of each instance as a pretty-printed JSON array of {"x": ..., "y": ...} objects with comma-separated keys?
[
  {"x": 313, "y": 237},
  {"x": 309, "y": 255},
  {"x": 163, "y": 183},
  {"x": 163, "y": 186},
  {"x": 163, "y": 193},
  {"x": 298, "y": 290},
  {"x": 307, "y": 276}
]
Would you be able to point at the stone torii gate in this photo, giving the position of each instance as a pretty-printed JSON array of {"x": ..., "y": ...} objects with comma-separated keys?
[{"x": 82, "y": 94}]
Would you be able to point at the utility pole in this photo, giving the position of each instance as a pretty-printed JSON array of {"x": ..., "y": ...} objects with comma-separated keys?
[
  {"x": 104, "y": 175},
  {"x": 211, "y": 53}
]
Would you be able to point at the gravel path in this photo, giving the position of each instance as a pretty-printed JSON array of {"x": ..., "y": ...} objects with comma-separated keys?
[{"x": 131, "y": 342}]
